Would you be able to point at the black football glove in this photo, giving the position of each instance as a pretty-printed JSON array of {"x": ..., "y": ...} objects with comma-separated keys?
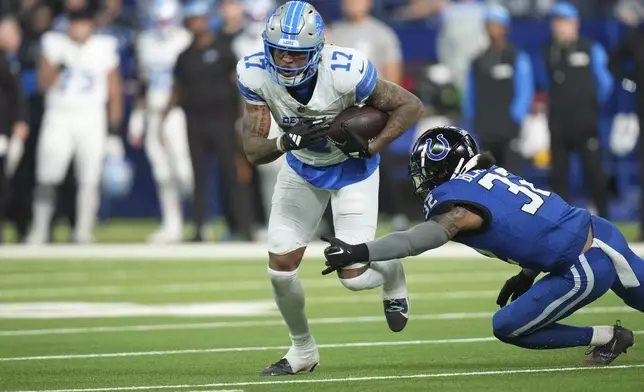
[
  {"x": 305, "y": 134},
  {"x": 340, "y": 254},
  {"x": 516, "y": 286},
  {"x": 354, "y": 146}
]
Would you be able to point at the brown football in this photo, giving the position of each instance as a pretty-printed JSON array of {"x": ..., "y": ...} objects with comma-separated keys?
[{"x": 365, "y": 121}]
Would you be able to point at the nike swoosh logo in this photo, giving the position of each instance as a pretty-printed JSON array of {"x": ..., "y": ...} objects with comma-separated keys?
[
  {"x": 339, "y": 252},
  {"x": 362, "y": 69}
]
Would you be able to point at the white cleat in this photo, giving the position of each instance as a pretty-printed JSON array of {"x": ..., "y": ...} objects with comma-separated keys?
[{"x": 165, "y": 236}]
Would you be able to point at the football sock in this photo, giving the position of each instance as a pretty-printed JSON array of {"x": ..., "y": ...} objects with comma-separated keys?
[
  {"x": 554, "y": 336},
  {"x": 289, "y": 297},
  {"x": 170, "y": 204},
  {"x": 43, "y": 210},
  {"x": 395, "y": 284},
  {"x": 369, "y": 279},
  {"x": 601, "y": 335},
  {"x": 87, "y": 207}
]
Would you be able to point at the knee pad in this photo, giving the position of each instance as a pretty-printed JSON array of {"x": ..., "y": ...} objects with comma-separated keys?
[
  {"x": 369, "y": 279},
  {"x": 45, "y": 192}
]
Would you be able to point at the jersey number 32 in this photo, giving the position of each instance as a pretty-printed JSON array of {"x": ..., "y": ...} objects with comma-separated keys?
[{"x": 500, "y": 176}]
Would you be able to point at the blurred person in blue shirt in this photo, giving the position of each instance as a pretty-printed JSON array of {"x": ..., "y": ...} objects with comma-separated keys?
[
  {"x": 498, "y": 92},
  {"x": 574, "y": 71}
]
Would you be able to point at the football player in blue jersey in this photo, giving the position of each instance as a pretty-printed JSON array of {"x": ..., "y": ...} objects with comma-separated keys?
[{"x": 467, "y": 199}]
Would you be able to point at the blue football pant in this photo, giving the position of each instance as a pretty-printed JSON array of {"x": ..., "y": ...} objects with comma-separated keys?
[{"x": 531, "y": 320}]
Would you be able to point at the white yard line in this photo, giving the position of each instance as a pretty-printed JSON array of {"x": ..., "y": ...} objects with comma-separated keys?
[
  {"x": 353, "y": 379},
  {"x": 245, "y": 349},
  {"x": 229, "y": 286},
  {"x": 278, "y": 322},
  {"x": 212, "y": 251}
]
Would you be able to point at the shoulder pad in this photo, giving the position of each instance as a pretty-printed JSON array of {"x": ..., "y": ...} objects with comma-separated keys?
[
  {"x": 442, "y": 197},
  {"x": 352, "y": 71},
  {"x": 106, "y": 41},
  {"x": 52, "y": 44},
  {"x": 251, "y": 76}
]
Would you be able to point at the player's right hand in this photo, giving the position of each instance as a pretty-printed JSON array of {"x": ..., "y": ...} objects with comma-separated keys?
[
  {"x": 514, "y": 287},
  {"x": 305, "y": 134}
]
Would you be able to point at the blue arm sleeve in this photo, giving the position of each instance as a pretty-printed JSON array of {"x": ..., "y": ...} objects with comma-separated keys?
[
  {"x": 541, "y": 74},
  {"x": 469, "y": 101},
  {"x": 367, "y": 83},
  {"x": 523, "y": 88},
  {"x": 599, "y": 63}
]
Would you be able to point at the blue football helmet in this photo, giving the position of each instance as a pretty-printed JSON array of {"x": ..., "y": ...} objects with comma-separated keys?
[
  {"x": 295, "y": 27},
  {"x": 118, "y": 177}
]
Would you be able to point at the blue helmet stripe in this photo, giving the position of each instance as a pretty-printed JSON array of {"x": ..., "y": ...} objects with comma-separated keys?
[
  {"x": 291, "y": 20},
  {"x": 367, "y": 84}
]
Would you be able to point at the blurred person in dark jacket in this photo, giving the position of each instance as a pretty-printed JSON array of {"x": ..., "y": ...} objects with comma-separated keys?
[
  {"x": 232, "y": 15},
  {"x": 631, "y": 49},
  {"x": 13, "y": 126},
  {"x": 204, "y": 88},
  {"x": 499, "y": 91},
  {"x": 575, "y": 72}
]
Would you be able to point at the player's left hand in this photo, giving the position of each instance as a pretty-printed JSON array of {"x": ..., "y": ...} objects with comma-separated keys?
[
  {"x": 514, "y": 287},
  {"x": 340, "y": 254},
  {"x": 355, "y": 145}
]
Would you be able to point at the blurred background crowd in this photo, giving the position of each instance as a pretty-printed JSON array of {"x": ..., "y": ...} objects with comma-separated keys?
[{"x": 552, "y": 88}]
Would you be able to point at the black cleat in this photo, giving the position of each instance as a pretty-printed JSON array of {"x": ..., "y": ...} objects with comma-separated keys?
[
  {"x": 397, "y": 313},
  {"x": 621, "y": 341},
  {"x": 282, "y": 368}
]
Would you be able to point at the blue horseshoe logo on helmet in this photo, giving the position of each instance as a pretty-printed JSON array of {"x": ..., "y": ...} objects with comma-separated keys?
[{"x": 440, "y": 155}]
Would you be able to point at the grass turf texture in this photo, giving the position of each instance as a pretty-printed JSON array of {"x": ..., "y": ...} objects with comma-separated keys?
[
  {"x": 451, "y": 299},
  {"x": 138, "y": 230}
]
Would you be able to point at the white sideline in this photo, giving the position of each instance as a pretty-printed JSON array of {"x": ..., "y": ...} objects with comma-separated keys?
[
  {"x": 278, "y": 322},
  {"x": 245, "y": 349},
  {"x": 350, "y": 379},
  {"x": 216, "y": 251}
]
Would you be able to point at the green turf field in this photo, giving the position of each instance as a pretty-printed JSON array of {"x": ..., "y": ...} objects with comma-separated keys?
[
  {"x": 137, "y": 230},
  {"x": 175, "y": 325}
]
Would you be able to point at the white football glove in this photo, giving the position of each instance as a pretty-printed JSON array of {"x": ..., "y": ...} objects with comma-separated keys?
[
  {"x": 624, "y": 134},
  {"x": 114, "y": 147},
  {"x": 136, "y": 126}
]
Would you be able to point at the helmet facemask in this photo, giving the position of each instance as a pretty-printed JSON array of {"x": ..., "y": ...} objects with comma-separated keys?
[{"x": 297, "y": 28}]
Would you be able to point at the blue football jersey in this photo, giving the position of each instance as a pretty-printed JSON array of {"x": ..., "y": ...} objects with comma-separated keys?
[{"x": 524, "y": 225}]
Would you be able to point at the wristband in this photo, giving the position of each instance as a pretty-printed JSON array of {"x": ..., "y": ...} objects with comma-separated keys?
[
  {"x": 114, "y": 130},
  {"x": 280, "y": 145}
]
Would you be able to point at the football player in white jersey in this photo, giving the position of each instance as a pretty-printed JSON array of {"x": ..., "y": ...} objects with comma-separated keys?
[
  {"x": 166, "y": 142},
  {"x": 250, "y": 41},
  {"x": 304, "y": 84},
  {"x": 79, "y": 73}
]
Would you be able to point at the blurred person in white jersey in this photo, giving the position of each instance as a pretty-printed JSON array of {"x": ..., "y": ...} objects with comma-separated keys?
[
  {"x": 247, "y": 42},
  {"x": 304, "y": 84},
  {"x": 166, "y": 143},
  {"x": 79, "y": 74}
]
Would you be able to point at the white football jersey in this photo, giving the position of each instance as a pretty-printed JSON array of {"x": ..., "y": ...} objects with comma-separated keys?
[
  {"x": 345, "y": 78},
  {"x": 84, "y": 82},
  {"x": 157, "y": 55}
]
